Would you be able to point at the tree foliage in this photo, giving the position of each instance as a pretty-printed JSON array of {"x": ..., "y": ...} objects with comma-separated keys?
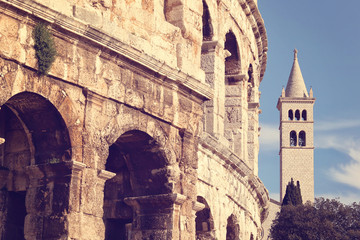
[
  {"x": 45, "y": 50},
  {"x": 325, "y": 220},
  {"x": 292, "y": 194}
]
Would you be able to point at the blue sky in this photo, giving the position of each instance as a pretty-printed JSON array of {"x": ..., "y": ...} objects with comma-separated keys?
[{"x": 327, "y": 36}]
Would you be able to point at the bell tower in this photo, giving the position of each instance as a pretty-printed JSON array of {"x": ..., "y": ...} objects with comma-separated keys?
[{"x": 296, "y": 107}]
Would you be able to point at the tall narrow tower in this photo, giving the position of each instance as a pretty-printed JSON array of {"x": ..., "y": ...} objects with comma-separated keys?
[{"x": 297, "y": 134}]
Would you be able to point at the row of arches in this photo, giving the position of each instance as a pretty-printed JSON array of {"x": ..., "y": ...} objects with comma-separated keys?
[
  {"x": 297, "y": 116},
  {"x": 297, "y": 141},
  {"x": 205, "y": 224},
  {"x": 36, "y": 137}
]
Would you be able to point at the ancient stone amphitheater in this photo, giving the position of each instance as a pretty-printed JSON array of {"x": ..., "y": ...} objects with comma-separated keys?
[{"x": 145, "y": 127}]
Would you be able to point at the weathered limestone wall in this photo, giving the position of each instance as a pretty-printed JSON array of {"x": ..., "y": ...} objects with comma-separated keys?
[
  {"x": 130, "y": 73},
  {"x": 229, "y": 187}
]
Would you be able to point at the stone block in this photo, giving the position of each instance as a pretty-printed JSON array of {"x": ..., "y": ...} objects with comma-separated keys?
[{"x": 88, "y": 15}]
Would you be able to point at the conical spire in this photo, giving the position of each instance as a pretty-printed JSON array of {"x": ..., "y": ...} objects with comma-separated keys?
[{"x": 296, "y": 85}]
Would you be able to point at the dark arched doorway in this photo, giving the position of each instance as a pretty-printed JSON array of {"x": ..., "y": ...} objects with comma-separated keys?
[
  {"x": 36, "y": 140},
  {"x": 232, "y": 228},
  {"x": 204, "y": 222},
  {"x": 140, "y": 167}
]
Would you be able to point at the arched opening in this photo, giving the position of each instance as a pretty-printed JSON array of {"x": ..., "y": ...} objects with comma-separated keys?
[
  {"x": 291, "y": 115},
  {"x": 232, "y": 228},
  {"x": 293, "y": 139},
  {"x": 35, "y": 135},
  {"x": 251, "y": 75},
  {"x": 232, "y": 62},
  {"x": 251, "y": 237},
  {"x": 297, "y": 115},
  {"x": 304, "y": 115},
  {"x": 204, "y": 222},
  {"x": 206, "y": 22},
  {"x": 302, "y": 139},
  {"x": 139, "y": 163}
]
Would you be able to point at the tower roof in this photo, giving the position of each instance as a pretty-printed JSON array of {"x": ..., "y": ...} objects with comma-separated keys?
[{"x": 296, "y": 86}]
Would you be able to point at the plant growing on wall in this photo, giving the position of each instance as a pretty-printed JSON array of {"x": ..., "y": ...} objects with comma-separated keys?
[{"x": 45, "y": 50}]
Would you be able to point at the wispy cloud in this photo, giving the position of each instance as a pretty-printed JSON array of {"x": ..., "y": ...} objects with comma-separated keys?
[
  {"x": 347, "y": 143},
  {"x": 336, "y": 125},
  {"x": 346, "y": 198},
  {"x": 269, "y": 137}
]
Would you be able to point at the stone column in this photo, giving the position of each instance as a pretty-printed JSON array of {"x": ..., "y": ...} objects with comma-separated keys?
[
  {"x": 253, "y": 136},
  {"x": 156, "y": 216},
  {"x": 209, "y": 60},
  {"x": 73, "y": 216},
  {"x": 235, "y": 121},
  {"x": 47, "y": 200}
]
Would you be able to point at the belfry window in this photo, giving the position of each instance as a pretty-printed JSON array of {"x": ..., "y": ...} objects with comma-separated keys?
[
  {"x": 291, "y": 114},
  {"x": 297, "y": 115},
  {"x": 293, "y": 139},
  {"x": 304, "y": 115},
  {"x": 302, "y": 139}
]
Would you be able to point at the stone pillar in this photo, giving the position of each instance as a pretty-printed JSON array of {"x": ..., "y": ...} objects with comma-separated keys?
[
  {"x": 73, "y": 216},
  {"x": 156, "y": 216},
  {"x": 235, "y": 121},
  {"x": 188, "y": 167},
  {"x": 253, "y": 136},
  {"x": 47, "y": 200},
  {"x": 210, "y": 62}
]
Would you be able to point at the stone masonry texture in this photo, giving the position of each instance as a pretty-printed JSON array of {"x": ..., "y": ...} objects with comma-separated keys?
[{"x": 145, "y": 127}]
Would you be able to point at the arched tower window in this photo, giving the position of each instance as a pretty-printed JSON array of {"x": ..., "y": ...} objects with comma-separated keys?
[
  {"x": 293, "y": 139},
  {"x": 291, "y": 114},
  {"x": 302, "y": 139},
  {"x": 297, "y": 115},
  {"x": 304, "y": 115},
  {"x": 206, "y": 21},
  {"x": 232, "y": 62}
]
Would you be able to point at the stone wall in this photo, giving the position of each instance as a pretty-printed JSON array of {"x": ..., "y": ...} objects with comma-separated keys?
[{"x": 109, "y": 139}]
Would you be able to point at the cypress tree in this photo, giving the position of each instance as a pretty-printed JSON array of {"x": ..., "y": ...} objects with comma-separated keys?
[{"x": 292, "y": 194}]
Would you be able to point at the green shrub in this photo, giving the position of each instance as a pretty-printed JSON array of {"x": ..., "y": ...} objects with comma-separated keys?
[{"x": 45, "y": 50}]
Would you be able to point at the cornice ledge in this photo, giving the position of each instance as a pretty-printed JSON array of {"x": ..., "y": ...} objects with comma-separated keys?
[
  {"x": 254, "y": 184},
  {"x": 93, "y": 34},
  {"x": 258, "y": 27}
]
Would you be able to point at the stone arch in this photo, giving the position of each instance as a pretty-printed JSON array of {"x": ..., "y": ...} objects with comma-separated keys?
[
  {"x": 204, "y": 222},
  {"x": 232, "y": 228},
  {"x": 232, "y": 61},
  {"x": 141, "y": 171},
  {"x": 33, "y": 166},
  {"x": 49, "y": 133},
  {"x": 129, "y": 120},
  {"x": 207, "y": 27}
]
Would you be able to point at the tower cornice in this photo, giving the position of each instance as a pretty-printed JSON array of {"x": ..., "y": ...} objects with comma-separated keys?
[{"x": 294, "y": 100}]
